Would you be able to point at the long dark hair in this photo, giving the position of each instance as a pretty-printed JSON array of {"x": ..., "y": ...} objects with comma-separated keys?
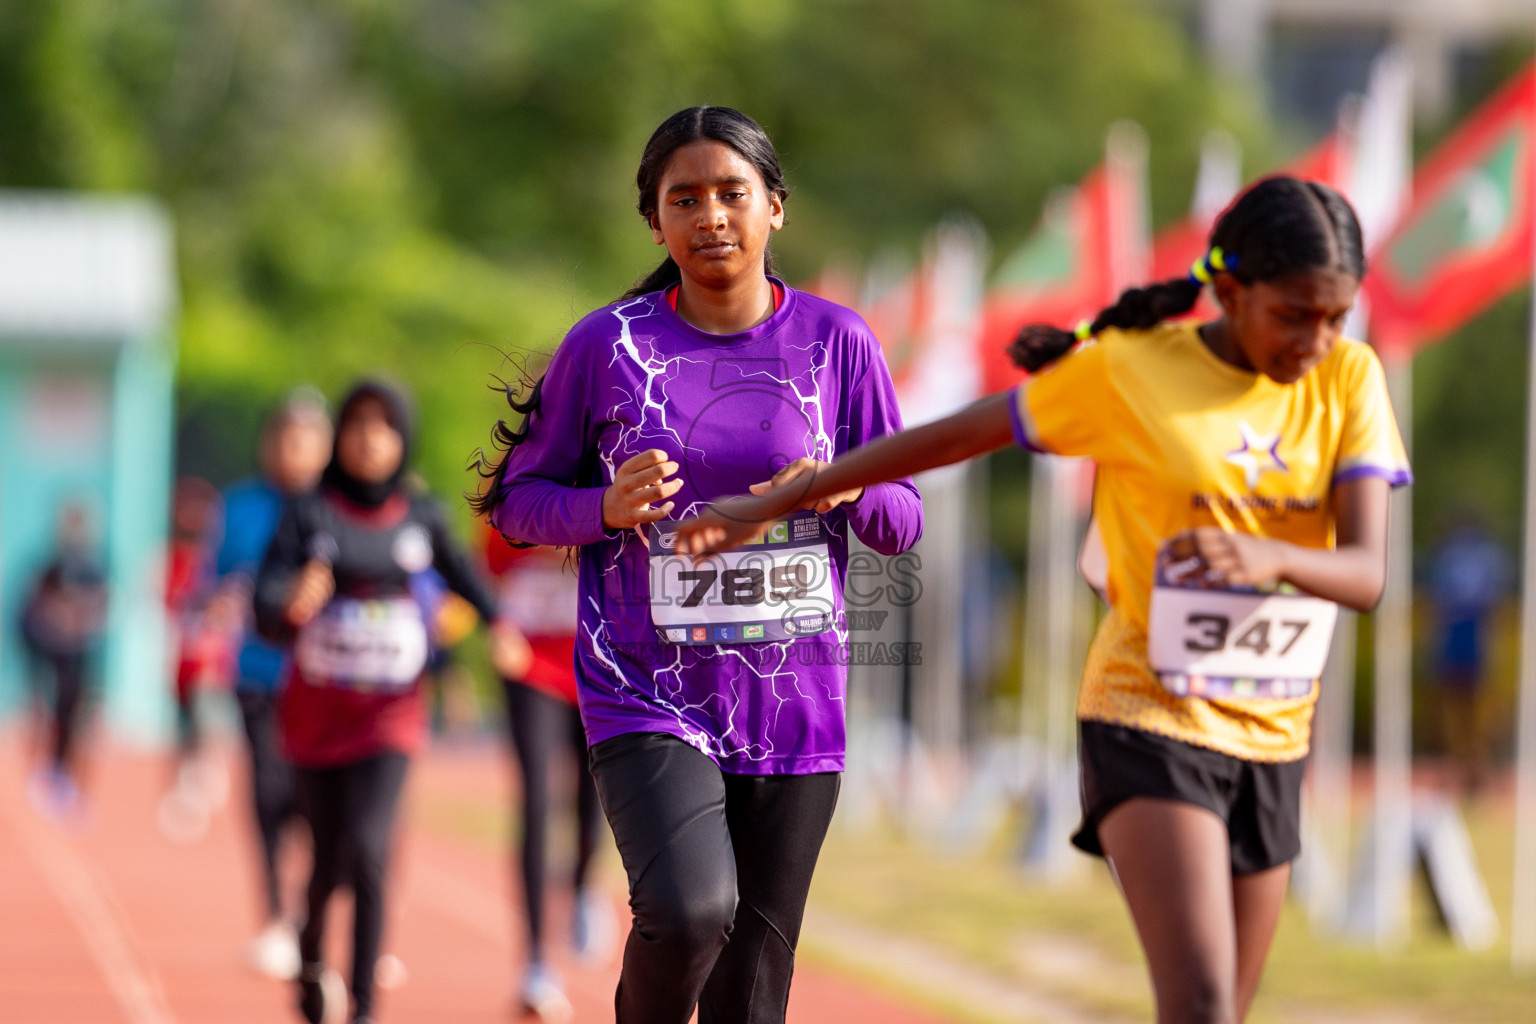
[
  {"x": 1279, "y": 226},
  {"x": 721, "y": 124},
  {"x": 523, "y": 394}
]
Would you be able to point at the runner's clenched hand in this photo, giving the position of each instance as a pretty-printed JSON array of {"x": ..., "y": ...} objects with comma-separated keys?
[
  {"x": 639, "y": 483},
  {"x": 511, "y": 654},
  {"x": 1230, "y": 559},
  {"x": 312, "y": 588}
]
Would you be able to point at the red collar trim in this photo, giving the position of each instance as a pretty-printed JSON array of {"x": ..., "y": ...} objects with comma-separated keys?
[
  {"x": 778, "y": 296},
  {"x": 391, "y": 513}
]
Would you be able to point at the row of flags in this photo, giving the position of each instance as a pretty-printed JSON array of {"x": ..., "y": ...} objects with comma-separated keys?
[
  {"x": 1445, "y": 241},
  {"x": 1469, "y": 236}
]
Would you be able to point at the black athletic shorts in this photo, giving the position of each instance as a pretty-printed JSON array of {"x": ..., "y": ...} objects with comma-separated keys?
[{"x": 1260, "y": 801}]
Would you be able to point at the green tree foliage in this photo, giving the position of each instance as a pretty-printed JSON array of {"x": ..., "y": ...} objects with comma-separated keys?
[{"x": 419, "y": 186}]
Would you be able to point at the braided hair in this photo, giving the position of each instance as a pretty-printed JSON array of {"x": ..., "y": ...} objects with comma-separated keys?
[{"x": 1279, "y": 226}]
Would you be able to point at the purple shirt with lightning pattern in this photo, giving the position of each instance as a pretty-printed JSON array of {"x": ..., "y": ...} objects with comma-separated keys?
[{"x": 731, "y": 410}]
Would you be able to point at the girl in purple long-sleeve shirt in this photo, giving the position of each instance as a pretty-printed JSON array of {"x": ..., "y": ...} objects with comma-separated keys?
[{"x": 712, "y": 694}]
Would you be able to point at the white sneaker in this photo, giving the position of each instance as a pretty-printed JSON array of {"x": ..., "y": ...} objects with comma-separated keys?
[
  {"x": 544, "y": 996},
  {"x": 213, "y": 779},
  {"x": 183, "y": 817},
  {"x": 275, "y": 952},
  {"x": 389, "y": 972},
  {"x": 323, "y": 995},
  {"x": 594, "y": 931}
]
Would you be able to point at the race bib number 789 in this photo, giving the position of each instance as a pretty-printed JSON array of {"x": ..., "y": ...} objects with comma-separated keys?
[{"x": 777, "y": 589}]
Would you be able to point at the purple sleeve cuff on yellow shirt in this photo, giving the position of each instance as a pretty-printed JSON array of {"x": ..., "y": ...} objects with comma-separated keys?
[
  {"x": 1394, "y": 477},
  {"x": 1020, "y": 429}
]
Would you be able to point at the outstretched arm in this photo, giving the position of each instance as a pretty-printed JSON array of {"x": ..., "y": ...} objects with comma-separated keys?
[{"x": 982, "y": 427}]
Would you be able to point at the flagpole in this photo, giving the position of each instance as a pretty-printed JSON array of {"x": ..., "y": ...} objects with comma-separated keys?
[
  {"x": 1392, "y": 820},
  {"x": 1373, "y": 137},
  {"x": 1522, "y": 949}
]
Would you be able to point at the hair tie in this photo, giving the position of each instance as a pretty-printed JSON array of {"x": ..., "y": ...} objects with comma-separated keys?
[
  {"x": 1203, "y": 269},
  {"x": 1083, "y": 331}
]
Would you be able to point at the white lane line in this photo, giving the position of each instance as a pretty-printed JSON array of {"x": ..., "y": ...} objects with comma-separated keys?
[{"x": 88, "y": 901}]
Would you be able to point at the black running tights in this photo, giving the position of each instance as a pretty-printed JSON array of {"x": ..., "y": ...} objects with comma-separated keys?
[
  {"x": 719, "y": 868},
  {"x": 68, "y": 707},
  {"x": 351, "y": 813},
  {"x": 272, "y": 792},
  {"x": 541, "y": 727}
]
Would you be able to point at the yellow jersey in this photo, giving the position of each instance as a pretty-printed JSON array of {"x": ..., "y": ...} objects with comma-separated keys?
[{"x": 1183, "y": 439}]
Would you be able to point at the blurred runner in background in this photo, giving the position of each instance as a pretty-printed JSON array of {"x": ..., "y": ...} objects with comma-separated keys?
[
  {"x": 62, "y": 622},
  {"x": 202, "y": 651},
  {"x": 337, "y": 584},
  {"x": 538, "y": 595},
  {"x": 294, "y": 447},
  {"x": 1470, "y": 574}
]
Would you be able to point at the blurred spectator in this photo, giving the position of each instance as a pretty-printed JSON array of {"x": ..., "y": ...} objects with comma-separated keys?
[
  {"x": 295, "y": 446},
  {"x": 62, "y": 622},
  {"x": 1470, "y": 575}
]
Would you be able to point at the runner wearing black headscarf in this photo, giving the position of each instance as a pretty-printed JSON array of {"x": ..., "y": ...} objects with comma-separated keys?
[{"x": 340, "y": 581}]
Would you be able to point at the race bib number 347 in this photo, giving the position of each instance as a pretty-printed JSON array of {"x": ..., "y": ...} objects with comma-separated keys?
[
  {"x": 777, "y": 589},
  {"x": 1219, "y": 642}
]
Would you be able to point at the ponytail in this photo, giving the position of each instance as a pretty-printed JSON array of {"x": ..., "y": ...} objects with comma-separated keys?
[
  {"x": 664, "y": 276},
  {"x": 1279, "y": 226},
  {"x": 1039, "y": 345}
]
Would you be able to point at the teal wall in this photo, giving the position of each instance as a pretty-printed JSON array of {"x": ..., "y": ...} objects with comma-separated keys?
[
  {"x": 91, "y": 424},
  {"x": 138, "y": 697}
]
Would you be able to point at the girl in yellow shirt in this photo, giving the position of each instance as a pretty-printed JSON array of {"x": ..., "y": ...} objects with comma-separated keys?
[{"x": 1244, "y": 471}]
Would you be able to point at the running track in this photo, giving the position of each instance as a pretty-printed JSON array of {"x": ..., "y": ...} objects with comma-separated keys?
[{"x": 109, "y": 922}]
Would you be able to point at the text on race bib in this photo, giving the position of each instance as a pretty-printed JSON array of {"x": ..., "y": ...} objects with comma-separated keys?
[
  {"x": 777, "y": 589},
  {"x": 377, "y": 645},
  {"x": 541, "y": 599},
  {"x": 1216, "y": 642}
]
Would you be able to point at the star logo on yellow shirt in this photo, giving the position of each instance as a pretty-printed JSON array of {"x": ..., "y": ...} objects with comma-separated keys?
[{"x": 1259, "y": 454}]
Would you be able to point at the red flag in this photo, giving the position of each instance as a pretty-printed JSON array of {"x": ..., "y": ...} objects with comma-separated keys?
[
  {"x": 1467, "y": 238},
  {"x": 926, "y": 320},
  {"x": 897, "y": 315},
  {"x": 1328, "y": 162},
  {"x": 836, "y": 283},
  {"x": 1090, "y": 243}
]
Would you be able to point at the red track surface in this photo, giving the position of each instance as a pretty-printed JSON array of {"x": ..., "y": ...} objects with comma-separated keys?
[{"x": 108, "y": 921}]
